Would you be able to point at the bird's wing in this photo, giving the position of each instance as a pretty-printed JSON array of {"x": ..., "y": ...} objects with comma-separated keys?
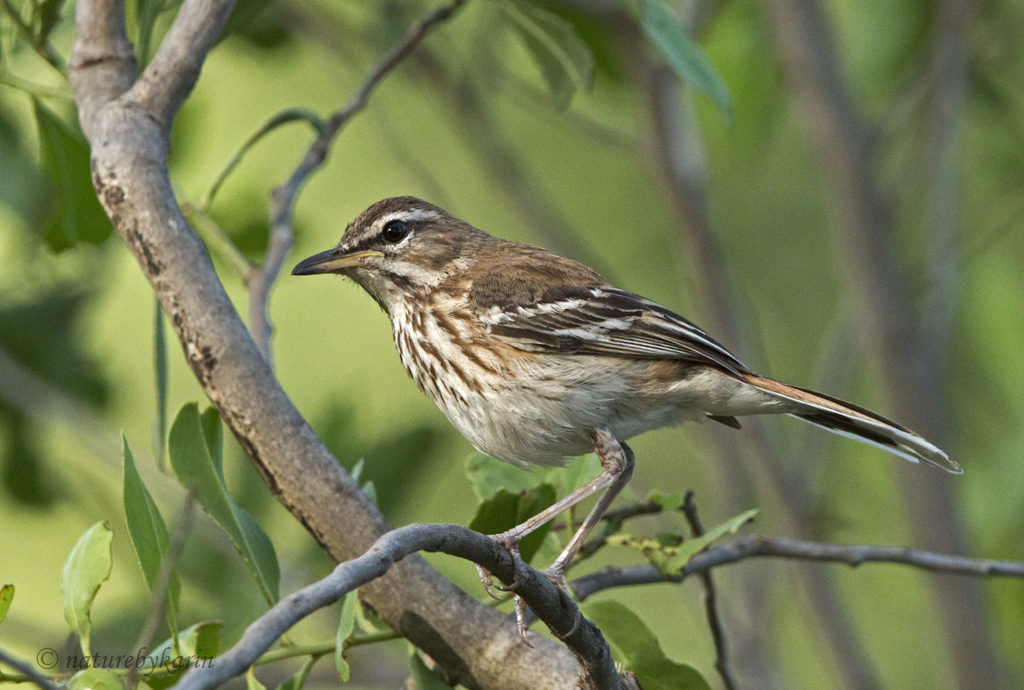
[{"x": 605, "y": 321}]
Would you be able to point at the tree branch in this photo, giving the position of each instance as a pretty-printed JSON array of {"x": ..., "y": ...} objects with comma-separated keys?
[
  {"x": 28, "y": 672},
  {"x": 559, "y": 612},
  {"x": 283, "y": 198},
  {"x": 710, "y": 604},
  {"x": 756, "y": 546},
  {"x": 169, "y": 77}
]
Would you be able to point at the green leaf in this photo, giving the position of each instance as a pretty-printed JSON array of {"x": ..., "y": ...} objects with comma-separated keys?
[
  {"x": 146, "y": 13},
  {"x": 201, "y": 640},
  {"x": 426, "y": 679},
  {"x": 148, "y": 533},
  {"x": 243, "y": 14},
  {"x": 77, "y": 215},
  {"x": 368, "y": 621},
  {"x": 251, "y": 682},
  {"x": 564, "y": 59},
  {"x": 195, "y": 448},
  {"x": 668, "y": 502},
  {"x": 346, "y": 626},
  {"x": 6, "y": 597},
  {"x": 370, "y": 489},
  {"x": 366, "y": 487},
  {"x": 504, "y": 510},
  {"x": 663, "y": 28},
  {"x": 160, "y": 369},
  {"x": 86, "y": 569},
  {"x": 49, "y": 15},
  {"x": 637, "y": 649},
  {"x": 488, "y": 475},
  {"x": 95, "y": 679},
  {"x": 297, "y": 681},
  {"x": 668, "y": 555},
  {"x": 357, "y": 470}
]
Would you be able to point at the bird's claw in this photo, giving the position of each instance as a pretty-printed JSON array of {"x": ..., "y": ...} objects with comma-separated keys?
[
  {"x": 518, "y": 565},
  {"x": 556, "y": 575},
  {"x": 519, "y": 576},
  {"x": 521, "y": 625},
  {"x": 487, "y": 581}
]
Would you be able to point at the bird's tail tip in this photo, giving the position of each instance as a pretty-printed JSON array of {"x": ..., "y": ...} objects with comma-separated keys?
[{"x": 847, "y": 419}]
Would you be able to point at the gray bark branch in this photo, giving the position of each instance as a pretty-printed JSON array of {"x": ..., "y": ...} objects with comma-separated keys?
[
  {"x": 559, "y": 612},
  {"x": 756, "y": 546}
]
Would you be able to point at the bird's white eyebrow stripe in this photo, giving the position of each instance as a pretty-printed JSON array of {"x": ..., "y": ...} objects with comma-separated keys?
[{"x": 412, "y": 215}]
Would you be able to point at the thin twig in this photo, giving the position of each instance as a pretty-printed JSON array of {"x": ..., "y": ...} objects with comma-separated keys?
[
  {"x": 275, "y": 121},
  {"x": 756, "y": 546},
  {"x": 611, "y": 523},
  {"x": 284, "y": 196},
  {"x": 42, "y": 48},
  {"x": 710, "y": 604},
  {"x": 30, "y": 87},
  {"x": 215, "y": 238},
  {"x": 619, "y": 514},
  {"x": 28, "y": 672}
]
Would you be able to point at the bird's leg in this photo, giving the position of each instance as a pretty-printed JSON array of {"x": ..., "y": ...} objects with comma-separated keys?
[
  {"x": 617, "y": 462},
  {"x": 516, "y": 534}
]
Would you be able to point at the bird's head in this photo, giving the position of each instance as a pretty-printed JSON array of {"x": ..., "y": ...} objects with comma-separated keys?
[{"x": 397, "y": 247}]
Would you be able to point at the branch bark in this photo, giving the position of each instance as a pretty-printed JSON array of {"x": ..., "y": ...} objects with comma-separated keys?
[
  {"x": 798, "y": 549},
  {"x": 127, "y": 123},
  {"x": 559, "y": 612}
]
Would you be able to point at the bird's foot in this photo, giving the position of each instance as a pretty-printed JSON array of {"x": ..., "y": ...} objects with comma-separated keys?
[
  {"x": 556, "y": 576},
  {"x": 511, "y": 545}
]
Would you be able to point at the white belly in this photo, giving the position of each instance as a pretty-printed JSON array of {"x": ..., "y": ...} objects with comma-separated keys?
[{"x": 530, "y": 408}]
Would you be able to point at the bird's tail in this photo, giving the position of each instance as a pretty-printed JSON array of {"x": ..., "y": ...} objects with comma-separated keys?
[{"x": 843, "y": 418}]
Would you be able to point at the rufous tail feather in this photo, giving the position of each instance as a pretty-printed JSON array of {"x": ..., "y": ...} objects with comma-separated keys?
[{"x": 863, "y": 425}]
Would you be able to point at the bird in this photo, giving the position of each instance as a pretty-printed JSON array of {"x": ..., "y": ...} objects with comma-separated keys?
[{"x": 535, "y": 358}]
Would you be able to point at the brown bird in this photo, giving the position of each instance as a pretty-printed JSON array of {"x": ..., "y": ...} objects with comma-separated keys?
[{"x": 534, "y": 357}]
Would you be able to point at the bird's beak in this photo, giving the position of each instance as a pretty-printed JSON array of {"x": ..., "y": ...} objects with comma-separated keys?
[{"x": 332, "y": 261}]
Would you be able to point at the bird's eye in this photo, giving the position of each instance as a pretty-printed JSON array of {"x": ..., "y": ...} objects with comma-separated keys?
[{"x": 395, "y": 231}]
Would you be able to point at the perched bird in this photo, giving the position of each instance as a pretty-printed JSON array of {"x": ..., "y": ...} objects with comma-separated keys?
[{"x": 534, "y": 357}]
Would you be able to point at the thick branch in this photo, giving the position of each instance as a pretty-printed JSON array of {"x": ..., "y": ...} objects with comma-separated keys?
[
  {"x": 103, "y": 54},
  {"x": 168, "y": 79}
]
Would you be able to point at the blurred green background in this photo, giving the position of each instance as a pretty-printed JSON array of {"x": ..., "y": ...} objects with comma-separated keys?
[{"x": 467, "y": 123}]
